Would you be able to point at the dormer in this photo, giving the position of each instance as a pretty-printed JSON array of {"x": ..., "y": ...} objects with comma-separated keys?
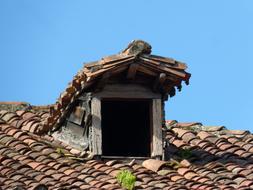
[{"x": 114, "y": 107}]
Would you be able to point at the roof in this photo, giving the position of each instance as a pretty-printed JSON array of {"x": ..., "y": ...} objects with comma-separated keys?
[
  {"x": 165, "y": 74},
  {"x": 197, "y": 157}
]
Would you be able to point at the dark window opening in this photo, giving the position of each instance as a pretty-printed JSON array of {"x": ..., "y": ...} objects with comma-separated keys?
[{"x": 126, "y": 128}]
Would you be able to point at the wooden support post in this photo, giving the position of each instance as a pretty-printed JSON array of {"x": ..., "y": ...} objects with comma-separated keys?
[
  {"x": 157, "y": 145},
  {"x": 132, "y": 71},
  {"x": 102, "y": 82},
  {"x": 96, "y": 126},
  {"x": 160, "y": 79}
]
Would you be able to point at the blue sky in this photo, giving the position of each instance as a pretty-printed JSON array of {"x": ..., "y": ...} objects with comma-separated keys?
[{"x": 44, "y": 43}]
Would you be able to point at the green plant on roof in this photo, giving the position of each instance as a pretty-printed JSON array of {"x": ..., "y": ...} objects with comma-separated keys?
[
  {"x": 173, "y": 164},
  {"x": 126, "y": 179},
  {"x": 185, "y": 153},
  {"x": 59, "y": 150}
]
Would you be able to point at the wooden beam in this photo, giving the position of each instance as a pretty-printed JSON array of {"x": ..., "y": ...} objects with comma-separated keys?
[
  {"x": 159, "y": 81},
  {"x": 132, "y": 71},
  {"x": 96, "y": 126},
  {"x": 142, "y": 68},
  {"x": 157, "y": 148},
  {"x": 126, "y": 91},
  {"x": 102, "y": 82},
  {"x": 119, "y": 69},
  {"x": 162, "y": 68}
]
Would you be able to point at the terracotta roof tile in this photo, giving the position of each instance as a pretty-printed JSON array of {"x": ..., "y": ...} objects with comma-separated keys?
[
  {"x": 196, "y": 156},
  {"x": 153, "y": 165}
]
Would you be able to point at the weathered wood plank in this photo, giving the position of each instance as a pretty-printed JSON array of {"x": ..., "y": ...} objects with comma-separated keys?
[
  {"x": 169, "y": 61},
  {"x": 77, "y": 115},
  {"x": 96, "y": 126},
  {"x": 163, "y": 68},
  {"x": 132, "y": 71},
  {"x": 126, "y": 91},
  {"x": 72, "y": 134},
  {"x": 115, "y": 58},
  {"x": 119, "y": 69},
  {"x": 153, "y": 71},
  {"x": 117, "y": 63},
  {"x": 157, "y": 148},
  {"x": 107, "y": 60},
  {"x": 109, "y": 67},
  {"x": 142, "y": 68},
  {"x": 102, "y": 82}
]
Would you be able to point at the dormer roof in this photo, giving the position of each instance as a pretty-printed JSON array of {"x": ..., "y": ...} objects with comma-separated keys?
[{"x": 165, "y": 73}]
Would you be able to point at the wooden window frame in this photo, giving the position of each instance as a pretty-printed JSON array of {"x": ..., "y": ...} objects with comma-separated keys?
[{"x": 129, "y": 91}]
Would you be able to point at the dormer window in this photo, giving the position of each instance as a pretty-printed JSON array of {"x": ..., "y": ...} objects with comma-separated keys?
[
  {"x": 126, "y": 127},
  {"x": 114, "y": 107},
  {"x": 129, "y": 121}
]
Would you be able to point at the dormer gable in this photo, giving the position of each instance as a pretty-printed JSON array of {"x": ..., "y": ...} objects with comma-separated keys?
[{"x": 115, "y": 106}]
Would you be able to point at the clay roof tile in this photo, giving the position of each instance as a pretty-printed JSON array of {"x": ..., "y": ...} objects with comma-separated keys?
[{"x": 196, "y": 156}]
